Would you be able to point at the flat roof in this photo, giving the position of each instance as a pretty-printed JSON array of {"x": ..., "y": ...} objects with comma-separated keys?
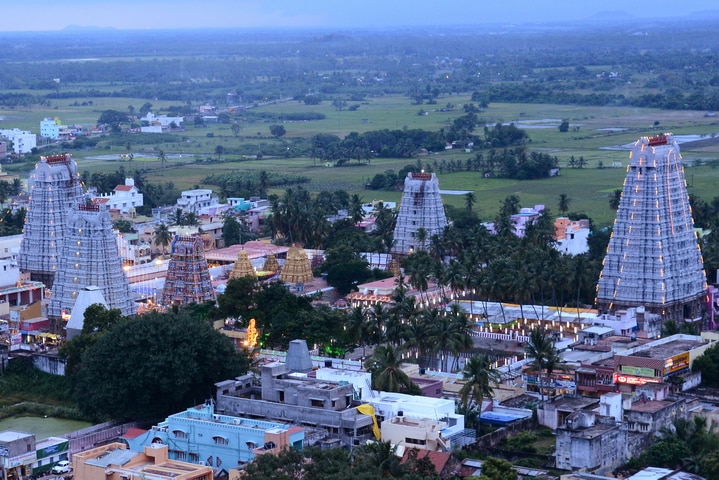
[
  {"x": 12, "y": 435},
  {"x": 666, "y": 350}
]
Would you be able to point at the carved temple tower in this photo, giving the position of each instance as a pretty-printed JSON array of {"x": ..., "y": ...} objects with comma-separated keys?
[
  {"x": 188, "y": 276},
  {"x": 421, "y": 213},
  {"x": 89, "y": 257},
  {"x": 653, "y": 259},
  {"x": 54, "y": 190}
]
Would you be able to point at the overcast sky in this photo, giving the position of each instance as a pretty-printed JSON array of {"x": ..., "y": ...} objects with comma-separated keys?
[{"x": 36, "y": 15}]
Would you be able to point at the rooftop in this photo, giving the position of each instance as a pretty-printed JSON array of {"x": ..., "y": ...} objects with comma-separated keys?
[{"x": 668, "y": 349}]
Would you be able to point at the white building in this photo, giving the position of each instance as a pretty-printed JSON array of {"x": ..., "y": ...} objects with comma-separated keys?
[
  {"x": 49, "y": 128},
  {"x": 197, "y": 201},
  {"x": 389, "y": 405},
  {"x": 571, "y": 235},
  {"x": 125, "y": 198},
  {"x": 22, "y": 140},
  {"x": 162, "y": 120},
  {"x": 9, "y": 269}
]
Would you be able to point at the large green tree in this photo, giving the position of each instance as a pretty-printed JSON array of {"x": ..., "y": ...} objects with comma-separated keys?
[{"x": 155, "y": 365}]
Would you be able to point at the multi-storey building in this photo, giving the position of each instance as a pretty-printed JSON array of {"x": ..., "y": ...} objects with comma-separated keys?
[
  {"x": 116, "y": 462},
  {"x": 421, "y": 210},
  {"x": 89, "y": 256},
  {"x": 222, "y": 441},
  {"x": 653, "y": 259},
  {"x": 55, "y": 190}
]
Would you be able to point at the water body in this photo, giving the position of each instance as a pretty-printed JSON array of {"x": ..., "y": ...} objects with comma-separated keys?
[{"x": 42, "y": 427}]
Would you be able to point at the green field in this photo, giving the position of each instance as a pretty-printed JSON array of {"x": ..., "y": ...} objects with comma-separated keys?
[{"x": 591, "y": 130}]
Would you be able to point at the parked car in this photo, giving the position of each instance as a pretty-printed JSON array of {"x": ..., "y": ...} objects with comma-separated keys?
[{"x": 62, "y": 467}]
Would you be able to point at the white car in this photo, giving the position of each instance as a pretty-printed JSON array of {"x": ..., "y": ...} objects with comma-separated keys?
[{"x": 62, "y": 467}]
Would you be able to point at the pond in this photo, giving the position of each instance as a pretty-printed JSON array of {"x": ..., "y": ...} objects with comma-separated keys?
[{"x": 42, "y": 427}]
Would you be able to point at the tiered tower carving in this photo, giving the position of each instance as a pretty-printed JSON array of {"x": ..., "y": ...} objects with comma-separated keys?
[
  {"x": 271, "y": 264},
  {"x": 297, "y": 267},
  {"x": 89, "y": 256},
  {"x": 188, "y": 276},
  {"x": 55, "y": 189},
  {"x": 421, "y": 208},
  {"x": 243, "y": 267},
  {"x": 653, "y": 259}
]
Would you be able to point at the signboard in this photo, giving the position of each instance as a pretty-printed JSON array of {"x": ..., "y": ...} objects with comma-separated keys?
[
  {"x": 676, "y": 363},
  {"x": 637, "y": 371},
  {"x": 25, "y": 459},
  {"x": 632, "y": 380}
]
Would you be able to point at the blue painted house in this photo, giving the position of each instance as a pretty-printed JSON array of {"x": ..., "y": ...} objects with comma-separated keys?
[{"x": 199, "y": 435}]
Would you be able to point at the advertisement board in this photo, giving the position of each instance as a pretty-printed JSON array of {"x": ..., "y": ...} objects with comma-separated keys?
[
  {"x": 632, "y": 380},
  {"x": 676, "y": 363},
  {"x": 637, "y": 371}
]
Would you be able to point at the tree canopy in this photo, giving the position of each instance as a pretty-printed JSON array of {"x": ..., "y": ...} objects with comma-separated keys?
[{"x": 153, "y": 366}]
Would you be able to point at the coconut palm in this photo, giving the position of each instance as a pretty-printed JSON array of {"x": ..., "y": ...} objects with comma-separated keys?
[
  {"x": 163, "y": 236},
  {"x": 544, "y": 355},
  {"x": 385, "y": 366},
  {"x": 480, "y": 377},
  {"x": 564, "y": 202}
]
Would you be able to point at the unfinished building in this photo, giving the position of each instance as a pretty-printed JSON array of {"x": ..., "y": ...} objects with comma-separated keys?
[
  {"x": 653, "y": 258},
  {"x": 188, "y": 276},
  {"x": 89, "y": 257},
  {"x": 54, "y": 190},
  {"x": 421, "y": 213}
]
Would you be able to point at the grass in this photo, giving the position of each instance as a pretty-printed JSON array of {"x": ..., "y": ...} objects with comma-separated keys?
[{"x": 592, "y": 130}]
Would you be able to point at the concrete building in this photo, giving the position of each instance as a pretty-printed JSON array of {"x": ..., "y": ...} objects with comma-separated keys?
[
  {"x": 653, "y": 259},
  {"x": 17, "y": 455},
  {"x": 89, "y": 256},
  {"x": 199, "y": 435},
  {"x": 571, "y": 235},
  {"x": 601, "y": 439},
  {"x": 420, "y": 433},
  {"x": 50, "y": 128},
  {"x": 116, "y": 462},
  {"x": 162, "y": 120},
  {"x": 124, "y": 198},
  {"x": 421, "y": 208},
  {"x": 22, "y": 140},
  {"x": 288, "y": 394},
  {"x": 188, "y": 276},
  {"x": 524, "y": 218},
  {"x": 9, "y": 269},
  {"x": 197, "y": 201},
  {"x": 55, "y": 190}
]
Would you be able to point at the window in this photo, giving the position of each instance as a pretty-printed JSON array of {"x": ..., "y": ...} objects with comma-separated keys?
[
  {"x": 282, "y": 395},
  {"x": 317, "y": 403},
  {"x": 179, "y": 434},
  {"x": 414, "y": 441},
  {"x": 194, "y": 457},
  {"x": 220, "y": 440}
]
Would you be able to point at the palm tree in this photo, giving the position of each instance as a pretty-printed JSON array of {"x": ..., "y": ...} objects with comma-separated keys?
[
  {"x": 421, "y": 236},
  {"x": 385, "y": 366},
  {"x": 564, "y": 202},
  {"x": 163, "y": 236},
  {"x": 479, "y": 376},
  {"x": 544, "y": 355},
  {"x": 163, "y": 159},
  {"x": 469, "y": 201},
  {"x": 615, "y": 199}
]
